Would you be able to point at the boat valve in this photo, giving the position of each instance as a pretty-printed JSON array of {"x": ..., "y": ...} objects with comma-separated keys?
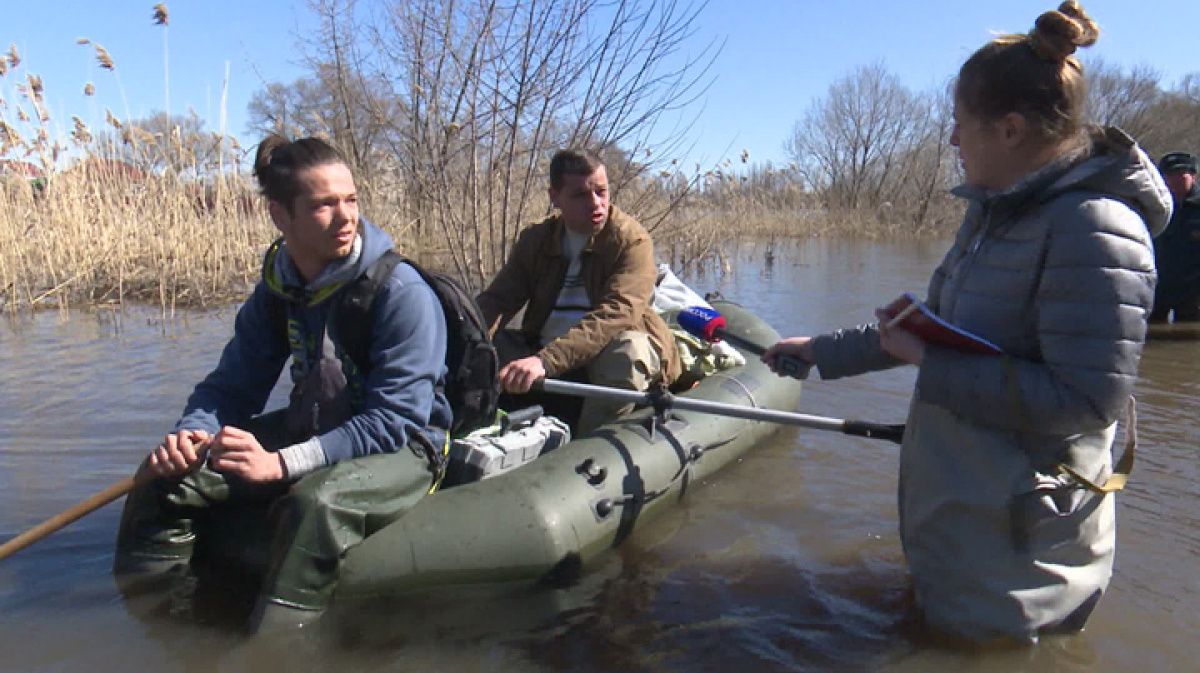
[
  {"x": 594, "y": 474},
  {"x": 604, "y": 508}
]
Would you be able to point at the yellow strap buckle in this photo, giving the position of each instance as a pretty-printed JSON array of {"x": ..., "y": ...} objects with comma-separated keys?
[{"x": 1124, "y": 467}]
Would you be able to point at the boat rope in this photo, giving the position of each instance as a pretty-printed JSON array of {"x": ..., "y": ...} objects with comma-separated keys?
[{"x": 749, "y": 395}]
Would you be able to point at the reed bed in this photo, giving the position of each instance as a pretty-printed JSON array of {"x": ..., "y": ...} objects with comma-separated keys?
[
  {"x": 97, "y": 237},
  {"x": 160, "y": 211},
  {"x": 92, "y": 239}
]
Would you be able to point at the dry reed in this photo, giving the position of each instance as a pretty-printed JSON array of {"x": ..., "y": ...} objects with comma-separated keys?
[
  {"x": 188, "y": 231},
  {"x": 97, "y": 236}
]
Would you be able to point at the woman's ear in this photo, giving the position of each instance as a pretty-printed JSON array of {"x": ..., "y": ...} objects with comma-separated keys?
[{"x": 1014, "y": 128}]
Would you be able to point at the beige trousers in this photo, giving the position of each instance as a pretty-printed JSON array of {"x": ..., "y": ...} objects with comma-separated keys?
[{"x": 630, "y": 361}]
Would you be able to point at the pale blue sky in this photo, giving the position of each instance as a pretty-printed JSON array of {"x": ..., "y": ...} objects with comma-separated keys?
[{"x": 779, "y": 55}]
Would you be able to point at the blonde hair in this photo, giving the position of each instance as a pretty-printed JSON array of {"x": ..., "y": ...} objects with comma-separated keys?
[{"x": 1034, "y": 74}]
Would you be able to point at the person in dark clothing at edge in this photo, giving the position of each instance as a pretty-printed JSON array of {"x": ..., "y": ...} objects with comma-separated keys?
[
  {"x": 585, "y": 277},
  {"x": 353, "y": 450},
  {"x": 1177, "y": 250}
]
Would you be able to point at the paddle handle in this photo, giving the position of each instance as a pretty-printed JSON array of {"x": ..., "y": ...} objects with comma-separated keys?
[
  {"x": 893, "y": 433},
  {"x": 69, "y": 516}
]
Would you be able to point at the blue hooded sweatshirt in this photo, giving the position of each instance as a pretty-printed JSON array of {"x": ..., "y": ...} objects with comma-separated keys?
[{"x": 399, "y": 395}]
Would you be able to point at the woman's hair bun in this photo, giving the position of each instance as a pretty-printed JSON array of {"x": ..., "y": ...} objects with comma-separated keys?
[{"x": 1058, "y": 33}]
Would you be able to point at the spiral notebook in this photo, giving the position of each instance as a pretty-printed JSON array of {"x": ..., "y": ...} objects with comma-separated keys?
[{"x": 914, "y": 316}]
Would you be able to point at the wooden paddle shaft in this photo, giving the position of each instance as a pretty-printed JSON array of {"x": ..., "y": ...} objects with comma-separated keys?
[{"x": 84, "y": 508}]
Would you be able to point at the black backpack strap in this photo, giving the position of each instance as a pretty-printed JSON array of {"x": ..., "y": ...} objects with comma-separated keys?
[
  {"x": 277, "y": 318},
  {"x": 352, "y": 317},
  {"x": 471, "y": 361}
]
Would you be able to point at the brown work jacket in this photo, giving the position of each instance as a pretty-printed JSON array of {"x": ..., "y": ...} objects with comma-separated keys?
[{"x": 619, "y": 273}]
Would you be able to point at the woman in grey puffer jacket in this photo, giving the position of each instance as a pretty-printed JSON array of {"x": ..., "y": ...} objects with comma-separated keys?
[{"x": 1053, "y": 264}]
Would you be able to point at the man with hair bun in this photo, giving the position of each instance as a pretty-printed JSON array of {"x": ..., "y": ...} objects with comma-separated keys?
[
  {"x": 1177, "y": 250},
  {"x": 1007, "y": 513},
  {"x": 585, "y": 278},
  {"x": 362, "y": 439}
]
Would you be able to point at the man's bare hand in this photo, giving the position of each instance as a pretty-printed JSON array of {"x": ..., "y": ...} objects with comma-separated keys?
[
  {"x": 179, "y": 453},
  {"x": 236, "y": 452},
  {"x": 517, "y": 377}
]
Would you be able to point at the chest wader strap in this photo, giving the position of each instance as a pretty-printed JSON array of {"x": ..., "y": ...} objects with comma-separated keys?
[
  {"x": 1121, "y": 471},
  {"x": 1124, "y": 467},
  {"x": 437, "y": 458}
]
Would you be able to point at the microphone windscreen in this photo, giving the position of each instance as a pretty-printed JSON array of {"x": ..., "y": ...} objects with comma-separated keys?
[{"x": 701, "y": 322}]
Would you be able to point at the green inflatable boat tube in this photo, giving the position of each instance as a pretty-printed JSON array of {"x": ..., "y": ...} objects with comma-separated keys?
[
  {"x": 552, "y": 519},
  {"x": 558, "y": 513}
]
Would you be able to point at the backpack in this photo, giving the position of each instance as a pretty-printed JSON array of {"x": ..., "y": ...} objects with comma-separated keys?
[{"x": 471, "y": 361}]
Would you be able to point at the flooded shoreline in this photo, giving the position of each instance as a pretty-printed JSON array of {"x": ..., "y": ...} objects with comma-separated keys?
[{"x": 788, "y": 561}]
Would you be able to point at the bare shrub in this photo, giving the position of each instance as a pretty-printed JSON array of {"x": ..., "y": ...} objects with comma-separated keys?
[
  {"x": 459, "y": 106},
  {"x": 1162, "y": 120},
  {"x": 877, "y": 154}
]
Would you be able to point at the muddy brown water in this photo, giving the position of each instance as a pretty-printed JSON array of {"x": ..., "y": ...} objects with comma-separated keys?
[{"x": 787, "y": 561}]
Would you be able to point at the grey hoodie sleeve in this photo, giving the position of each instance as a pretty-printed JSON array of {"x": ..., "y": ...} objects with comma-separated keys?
[{"x": 1089, "y": 319}]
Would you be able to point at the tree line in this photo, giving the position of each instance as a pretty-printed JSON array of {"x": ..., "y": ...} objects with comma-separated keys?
[{"x": 449, "y": 110}]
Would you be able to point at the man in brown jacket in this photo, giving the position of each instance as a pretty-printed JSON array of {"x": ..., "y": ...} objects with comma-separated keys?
[{"x": 585, "y": 277}]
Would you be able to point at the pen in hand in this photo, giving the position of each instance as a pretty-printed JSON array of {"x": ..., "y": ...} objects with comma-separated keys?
[{"x": 899, "y": 317}]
